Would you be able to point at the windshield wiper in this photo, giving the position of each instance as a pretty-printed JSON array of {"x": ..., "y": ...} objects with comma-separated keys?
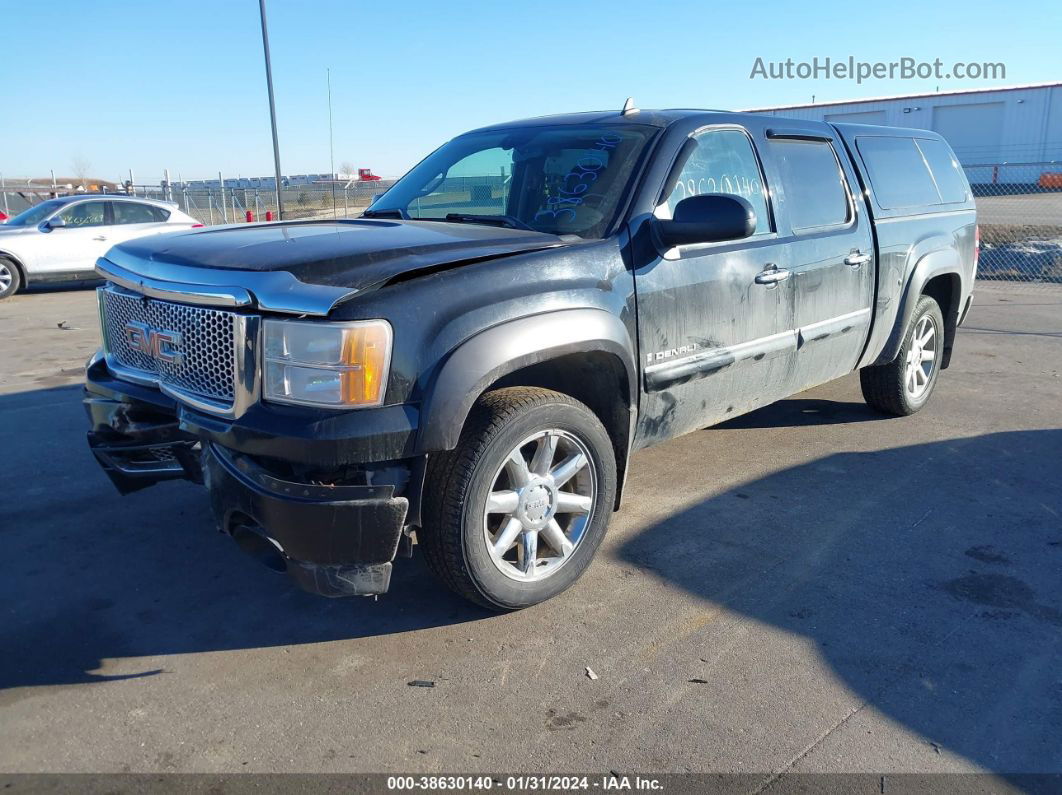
[{"x": 508, "y": 221}]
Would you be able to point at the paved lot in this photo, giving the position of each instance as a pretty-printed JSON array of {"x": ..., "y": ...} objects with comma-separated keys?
[
  {"x": 808, "y": 588},
  {"x": 1024, "y": 209}
]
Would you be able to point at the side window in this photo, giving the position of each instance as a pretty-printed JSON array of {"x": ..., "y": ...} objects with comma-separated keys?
[
  {"x": 815, "y": 190},
  {"x": 85, "y": 214},
  {"x": 134, "y": 213},
  {"x": 947, "y": 173},
  {"x": 477, "y": 184},
  {"x": 897, "y": 172},
  {"x": 724, "y": 162}
]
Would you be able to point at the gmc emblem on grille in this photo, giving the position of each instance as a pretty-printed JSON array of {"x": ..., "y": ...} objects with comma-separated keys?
[{"x": 156, "y": 343}]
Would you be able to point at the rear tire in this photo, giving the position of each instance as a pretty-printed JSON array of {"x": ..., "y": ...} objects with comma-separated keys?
[
  {"x": 904, "y": 385},
  {"x": 10, "y": 278},
  {"x": 514, "y": 514}
]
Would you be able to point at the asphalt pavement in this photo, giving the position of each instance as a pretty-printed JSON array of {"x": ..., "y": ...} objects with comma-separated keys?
[{"x": 811, "y": 587}]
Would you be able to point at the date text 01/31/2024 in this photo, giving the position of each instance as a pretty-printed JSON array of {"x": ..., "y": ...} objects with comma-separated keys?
[{"x": 610, "y": 783}]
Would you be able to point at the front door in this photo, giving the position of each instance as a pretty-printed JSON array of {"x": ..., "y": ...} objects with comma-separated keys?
[
  {"x": 715, "y": 320},
  {"x": 76, "y": 246}
]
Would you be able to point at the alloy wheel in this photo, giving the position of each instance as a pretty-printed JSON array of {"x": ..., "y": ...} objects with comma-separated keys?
[
  {"x": 921, "y": 357},
  {"x": 540, "y": 504}
]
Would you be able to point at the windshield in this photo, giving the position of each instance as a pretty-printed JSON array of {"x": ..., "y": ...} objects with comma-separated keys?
[
  {"x": 35, "y": 214},
  {"x": 562, "y": 180}
]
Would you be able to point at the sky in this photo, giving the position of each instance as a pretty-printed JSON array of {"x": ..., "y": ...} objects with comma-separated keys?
[{"x": 180, "y": 84}]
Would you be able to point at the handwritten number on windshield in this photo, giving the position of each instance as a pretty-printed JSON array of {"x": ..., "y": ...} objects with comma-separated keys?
[{"x": 574, "y": 185}]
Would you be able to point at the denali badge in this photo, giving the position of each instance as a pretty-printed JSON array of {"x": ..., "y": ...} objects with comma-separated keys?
[
  {"x": 157, "y": 344},
  {"x": 671, "y": 353}
]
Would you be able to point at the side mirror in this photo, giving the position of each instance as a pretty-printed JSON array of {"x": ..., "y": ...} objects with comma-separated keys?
[
  {"x": 708, "y": 218},
  {"x": 58, "y": 222}
]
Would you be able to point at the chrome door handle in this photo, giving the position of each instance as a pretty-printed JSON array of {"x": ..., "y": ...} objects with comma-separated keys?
[
  {"x": 855, "y": 259},
  {"x": 772, "y": 276},
  {"x": 100, "y": 237}
]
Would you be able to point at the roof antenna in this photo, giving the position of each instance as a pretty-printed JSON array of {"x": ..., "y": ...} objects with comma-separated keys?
[{"x": 628, "y": 107}]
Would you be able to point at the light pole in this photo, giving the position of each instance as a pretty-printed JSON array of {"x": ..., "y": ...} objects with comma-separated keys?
[
  {"x": 331, "y": 147},
  {"x": 272, "y": 107}
]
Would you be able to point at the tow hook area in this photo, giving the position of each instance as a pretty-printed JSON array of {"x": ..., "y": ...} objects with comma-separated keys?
[
  {"x": 137, "y": 447},
  {"x": 137, "y": 466}
]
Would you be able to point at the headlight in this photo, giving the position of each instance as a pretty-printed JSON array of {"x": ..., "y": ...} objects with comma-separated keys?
[{"x": 342, "y": 365}]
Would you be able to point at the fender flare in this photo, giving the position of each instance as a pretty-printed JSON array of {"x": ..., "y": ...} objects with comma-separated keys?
[
  {"x": 495, "y": 352},
  {"x": 939, "y": 262}
]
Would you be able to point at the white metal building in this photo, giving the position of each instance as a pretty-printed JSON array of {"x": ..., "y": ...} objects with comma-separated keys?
[{"x": 986, "y": 128}]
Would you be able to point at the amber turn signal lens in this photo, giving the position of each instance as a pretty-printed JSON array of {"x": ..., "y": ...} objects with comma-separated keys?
[{"x": 366, "y": 350}]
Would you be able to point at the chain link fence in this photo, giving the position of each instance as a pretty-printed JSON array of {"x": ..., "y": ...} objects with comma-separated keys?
[
  {"x": 1019, "y": 210},
  {"x": 231, "y": 205}
]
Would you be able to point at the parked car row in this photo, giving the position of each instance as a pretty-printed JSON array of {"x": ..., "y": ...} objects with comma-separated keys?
[{"x": 61, "y": 239}]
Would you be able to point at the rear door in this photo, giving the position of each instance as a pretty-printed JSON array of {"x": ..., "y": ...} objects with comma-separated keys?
[
  {"x": 136, "y": 219},
  {"x": 715, "y": 320},
  {"x": 831, "y": 251}
]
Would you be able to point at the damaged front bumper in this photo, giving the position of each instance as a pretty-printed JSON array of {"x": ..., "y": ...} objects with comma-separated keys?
[{"x": 333, "y": 539}]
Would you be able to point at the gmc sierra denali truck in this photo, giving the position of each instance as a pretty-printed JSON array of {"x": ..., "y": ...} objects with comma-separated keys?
[{"x": 472, "y": 363}]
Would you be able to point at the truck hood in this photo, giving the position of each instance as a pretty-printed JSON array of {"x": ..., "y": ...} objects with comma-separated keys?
[
  {"x": 356, "y": 254},
  {"x": 303, "y": 268}
]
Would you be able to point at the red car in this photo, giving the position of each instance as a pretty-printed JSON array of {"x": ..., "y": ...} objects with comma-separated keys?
[{"x": 3, "y": 216}]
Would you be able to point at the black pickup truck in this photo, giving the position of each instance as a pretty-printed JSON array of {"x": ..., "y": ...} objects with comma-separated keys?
[{"x": 471, "y": 364}]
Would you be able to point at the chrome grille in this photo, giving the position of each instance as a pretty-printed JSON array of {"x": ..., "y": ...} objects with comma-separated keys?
[{"x": 208, "y": 366}]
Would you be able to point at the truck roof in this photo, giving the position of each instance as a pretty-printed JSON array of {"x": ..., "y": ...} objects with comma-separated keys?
[
  {"x": 644, "y": 118},
  {"x": 666, "y": 117},
  {"x": 853, "y": 128}
]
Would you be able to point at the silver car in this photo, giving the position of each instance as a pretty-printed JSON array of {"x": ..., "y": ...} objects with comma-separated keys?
[{"x": 61, "y": 239}]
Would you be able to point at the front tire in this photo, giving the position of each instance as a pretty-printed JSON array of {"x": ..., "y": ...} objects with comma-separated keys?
[
  {"x": 10, "y": 278},
  {"x": 904, "y": 385},
  {"x": 514, "y": 514}
]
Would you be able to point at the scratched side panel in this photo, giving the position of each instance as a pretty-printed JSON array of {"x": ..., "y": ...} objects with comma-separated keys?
[{"x": 707, "y": 305}]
